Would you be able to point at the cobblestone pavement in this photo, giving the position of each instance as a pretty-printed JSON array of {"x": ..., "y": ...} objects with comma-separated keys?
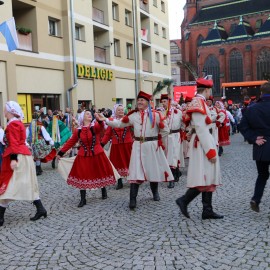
[{"x": 105, "y": 234}]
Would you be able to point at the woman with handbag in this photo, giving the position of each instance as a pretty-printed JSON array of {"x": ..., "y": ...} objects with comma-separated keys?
[
  {"x": 91, "y": 168},
  {"x": 122, "y": 140},
  {"x": 18, "y": 179}
]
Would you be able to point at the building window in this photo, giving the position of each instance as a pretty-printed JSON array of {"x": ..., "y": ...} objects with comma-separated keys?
[
  {"x": 263, "y": 65},
  {"x": 164, "y": 32},
  {"x": 162, "y": 6},
  {"x": 165, "y": 59},
  {"x": 157, "y": 57},
  {"x": 54, "y": 27},
  {"x": 128, "y": 17},
  {"x": 174, "y": 71},
  {"x": 115, "y": 11},
  {"x": 156, "y": 28},
  {"x": 116, "y": 43},
  {"x": 155, "y": 3},
  {"x": 212, "y": 67},
  {"x": 79, "y": 32},
  {"x": 236, "y": 66},
  {"x": 129, "y": 51}
]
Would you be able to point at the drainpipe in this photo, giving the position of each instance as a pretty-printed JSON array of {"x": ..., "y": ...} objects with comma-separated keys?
[
  {"x": 136, "y": 54},
  {"x": 73, "y": 53}
]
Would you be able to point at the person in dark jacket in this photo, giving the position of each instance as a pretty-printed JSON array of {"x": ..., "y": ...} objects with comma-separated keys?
[{"x": 255, "y": 127}]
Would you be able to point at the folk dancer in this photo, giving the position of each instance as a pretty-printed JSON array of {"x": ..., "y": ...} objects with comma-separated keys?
[
  {"x": 91, "y": 168},
  {"x": 18, "y": 179},
  {"x": 203, "y": 171},
  {"x": 172, "y": 142},
  {"x": 148, "y": 161},
  {"x": 121, "y": 145},
  {"x": 40, "y": 142}
]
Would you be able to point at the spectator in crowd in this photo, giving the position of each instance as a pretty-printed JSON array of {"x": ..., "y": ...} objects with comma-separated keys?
[{"x": 255, "y": 127}]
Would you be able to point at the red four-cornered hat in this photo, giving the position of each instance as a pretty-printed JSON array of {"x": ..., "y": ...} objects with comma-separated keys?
[
  {"x": 211, "y": 98},
  {"x": 201, "y": 82},
  {"x": 144, "y": 95},
  {"x": 164, "y": 96},
  {"x": 253, "y": 97},
  {"x": 188, "y": 99}
]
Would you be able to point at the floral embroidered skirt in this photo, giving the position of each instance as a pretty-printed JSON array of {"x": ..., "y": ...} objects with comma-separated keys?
[
  {"x": 120, "y": 157},
  {"x": 91, "y": 172}
]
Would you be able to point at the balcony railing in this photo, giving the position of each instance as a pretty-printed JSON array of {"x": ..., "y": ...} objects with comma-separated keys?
[
  {"x": 100, "y": 54},
  {"x": 146, "y": 66},
  {"x": 144, "y": 33},
  {"x": 25, "y": 41},
  {"x": 98, "y": 15},
  {"x": 144, "y": 6}
]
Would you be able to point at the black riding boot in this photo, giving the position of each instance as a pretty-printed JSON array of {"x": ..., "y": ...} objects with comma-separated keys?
[
  {"x": 177, "y": 174},
  {"x": 171, "y": 183},
  {"x": 154, "y": 188},
  {"x": 184, "y": 201},
  {"x": 119, "y": 184},
  {"x": 53, "y": 162},
  {"x": 2, "y": 213},
  {"x": 134, "y": 188},
  {"x": 208, "y": 212},
  {"x": 38, "y": 170},
  {"x": 41, "y": 211},
  {"x": 83, "y": 199},
  {"x": 104, "y": 193}
]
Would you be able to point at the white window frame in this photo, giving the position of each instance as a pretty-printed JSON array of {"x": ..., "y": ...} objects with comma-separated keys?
[
  {"x": 117, "y": 48},
  {"x": 128, "y": 17},
  {"x": 129, "y": 48},
  {"x": 55, "y": 22},
  {"x": 156, "y": 28},
  {"x": 115, "y": 11},
  {"x": 80, "y": 30},
  {"x": 164, "y": 32},
  {"x": 163, "y": 8},
  {"x": 165, "y": 59},
  {"x": 157, "y": 57}
]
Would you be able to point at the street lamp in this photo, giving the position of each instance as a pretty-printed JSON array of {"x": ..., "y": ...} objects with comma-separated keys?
[{"x": 1, "y": 3}]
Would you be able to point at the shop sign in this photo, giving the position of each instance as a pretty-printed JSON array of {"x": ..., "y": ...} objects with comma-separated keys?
[{"x": 89, "y": 72}]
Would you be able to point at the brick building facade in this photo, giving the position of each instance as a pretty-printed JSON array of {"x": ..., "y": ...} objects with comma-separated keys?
[{"x": 229, "y": 40}]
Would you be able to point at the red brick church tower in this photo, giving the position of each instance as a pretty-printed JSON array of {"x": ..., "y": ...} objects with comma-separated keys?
[{"x": 229, "y": 40}]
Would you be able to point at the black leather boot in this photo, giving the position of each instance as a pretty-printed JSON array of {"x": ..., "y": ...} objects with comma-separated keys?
[
  {"x": 178, "y": 174},
  {"x": 104, "y": 193},
  {"x": 184, "y": 201},
  {"x": 2, "y": 213},
  {"x": 171, "y": 183},
  {"x": 208, "y": 212},
  {"x": 119, "y": 184},
  {"x": 83, "y": 199},
  {"x": 134, "y": 188},
  {"x": 38, "y": 170},
  {"x": 53, "y": 163},
  {"x": 154, "y": 188},
  {"x": 41, "y": 211}
]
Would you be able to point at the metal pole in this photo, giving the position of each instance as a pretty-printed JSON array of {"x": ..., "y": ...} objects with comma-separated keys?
[
  {"x": 136, "y": 54},
  {"x": 73, "y": 53}
]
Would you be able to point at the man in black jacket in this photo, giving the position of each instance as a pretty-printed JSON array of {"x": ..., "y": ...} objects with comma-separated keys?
[{"x": 255, "y": 127}]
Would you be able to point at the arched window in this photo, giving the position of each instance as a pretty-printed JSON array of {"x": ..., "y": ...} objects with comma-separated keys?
[
  {"x": 263, "y": 65},
  {"x": 236, "y": 66},
  {"x": 211, "y": 67}
]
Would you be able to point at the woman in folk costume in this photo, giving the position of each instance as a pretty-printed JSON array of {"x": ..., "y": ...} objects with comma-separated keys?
[
  {"x": 148, "y": 161},
  {"x": 203, "y": 170},
  {"x": 18, "y": 179},
  {"x": 59, "y": 132},
  {"x": 121, "y": 145},
  {"x": 1, "y": 145},
  {"x": 223, "y": 134},
  {"x": 40, "y": 141},
  {"x": 172, "y": 142},
  {"x": 91, "y": 168}
]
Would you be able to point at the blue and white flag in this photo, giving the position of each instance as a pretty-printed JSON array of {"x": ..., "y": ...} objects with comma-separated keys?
[{"x": 8, "y": 29}]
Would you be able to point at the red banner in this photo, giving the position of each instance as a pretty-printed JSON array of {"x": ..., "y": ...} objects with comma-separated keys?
[{"x": 188, "y": 90}]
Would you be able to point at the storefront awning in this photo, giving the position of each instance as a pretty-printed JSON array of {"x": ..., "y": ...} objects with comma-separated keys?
[{"x": 243, "y": 84}]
